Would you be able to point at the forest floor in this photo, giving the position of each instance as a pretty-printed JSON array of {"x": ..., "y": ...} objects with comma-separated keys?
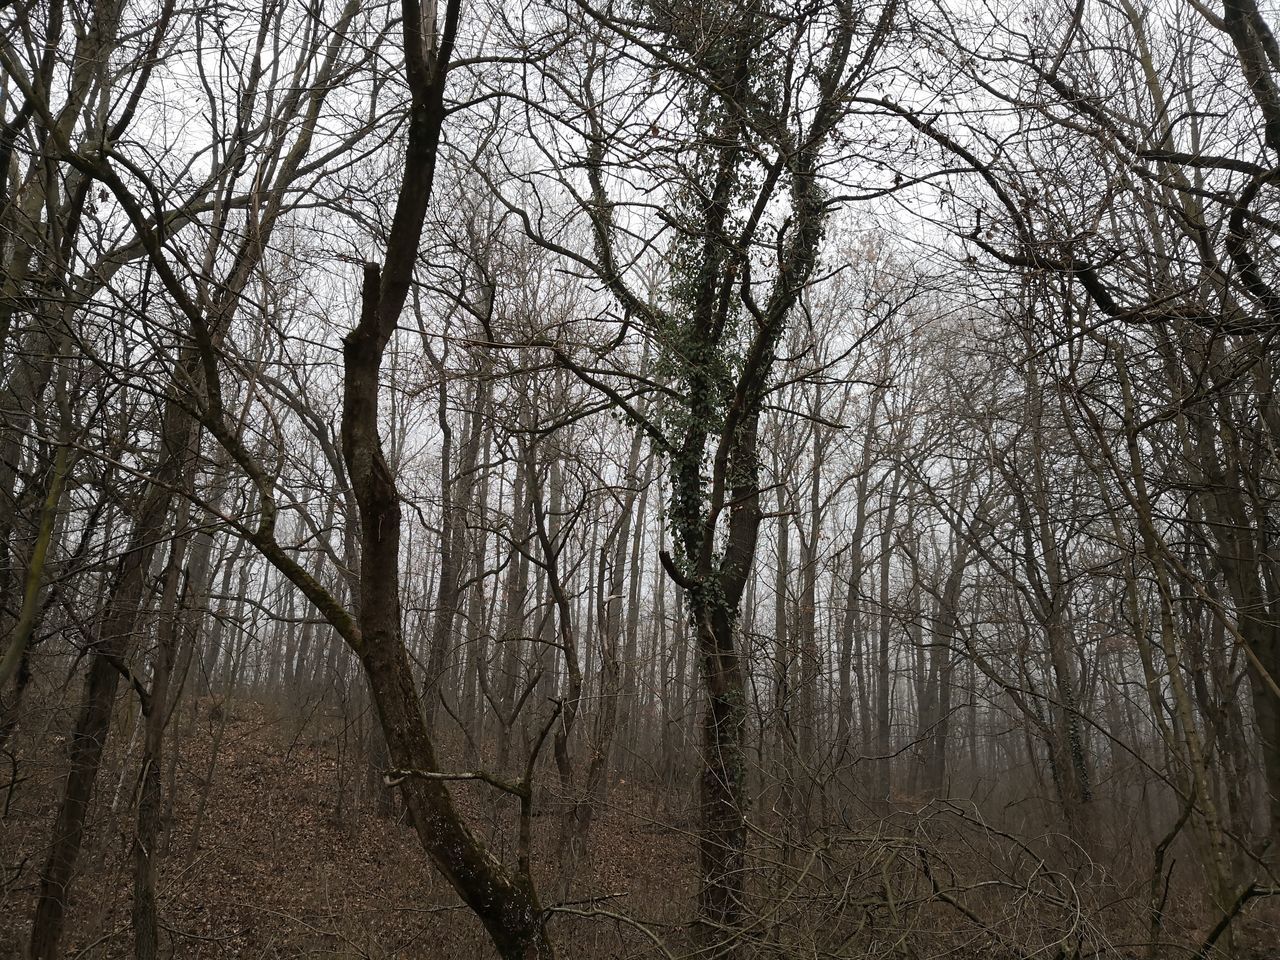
[
  {"x": 276, "y": 873},
  {"x": 279, "y": 871}
]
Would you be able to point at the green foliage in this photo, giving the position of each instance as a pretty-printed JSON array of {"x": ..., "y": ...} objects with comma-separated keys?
[{"x": 730, "y": 72}]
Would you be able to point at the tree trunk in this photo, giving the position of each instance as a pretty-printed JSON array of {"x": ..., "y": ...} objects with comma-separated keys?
[
  {"x": 146, "y": 932},
  {"x": 506, "y": 905},
  {"x": 109, "y": 650}
]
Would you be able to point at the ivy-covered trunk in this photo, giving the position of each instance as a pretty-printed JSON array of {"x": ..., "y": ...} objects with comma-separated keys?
[
  {"x": 748, "y": 217},
  {"x": 715, "y": 598},
  {"x": 723, "y": 793}
]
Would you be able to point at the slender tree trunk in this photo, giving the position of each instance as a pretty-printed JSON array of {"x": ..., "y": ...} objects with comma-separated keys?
[
  {"x": 146, "y": 933},
  {"x": 884, "y": 677},
  {"x": 112, "y": 643}
]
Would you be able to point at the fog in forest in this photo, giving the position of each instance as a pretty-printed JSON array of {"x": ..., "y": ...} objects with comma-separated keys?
[{"x": 640, "y": 479}]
